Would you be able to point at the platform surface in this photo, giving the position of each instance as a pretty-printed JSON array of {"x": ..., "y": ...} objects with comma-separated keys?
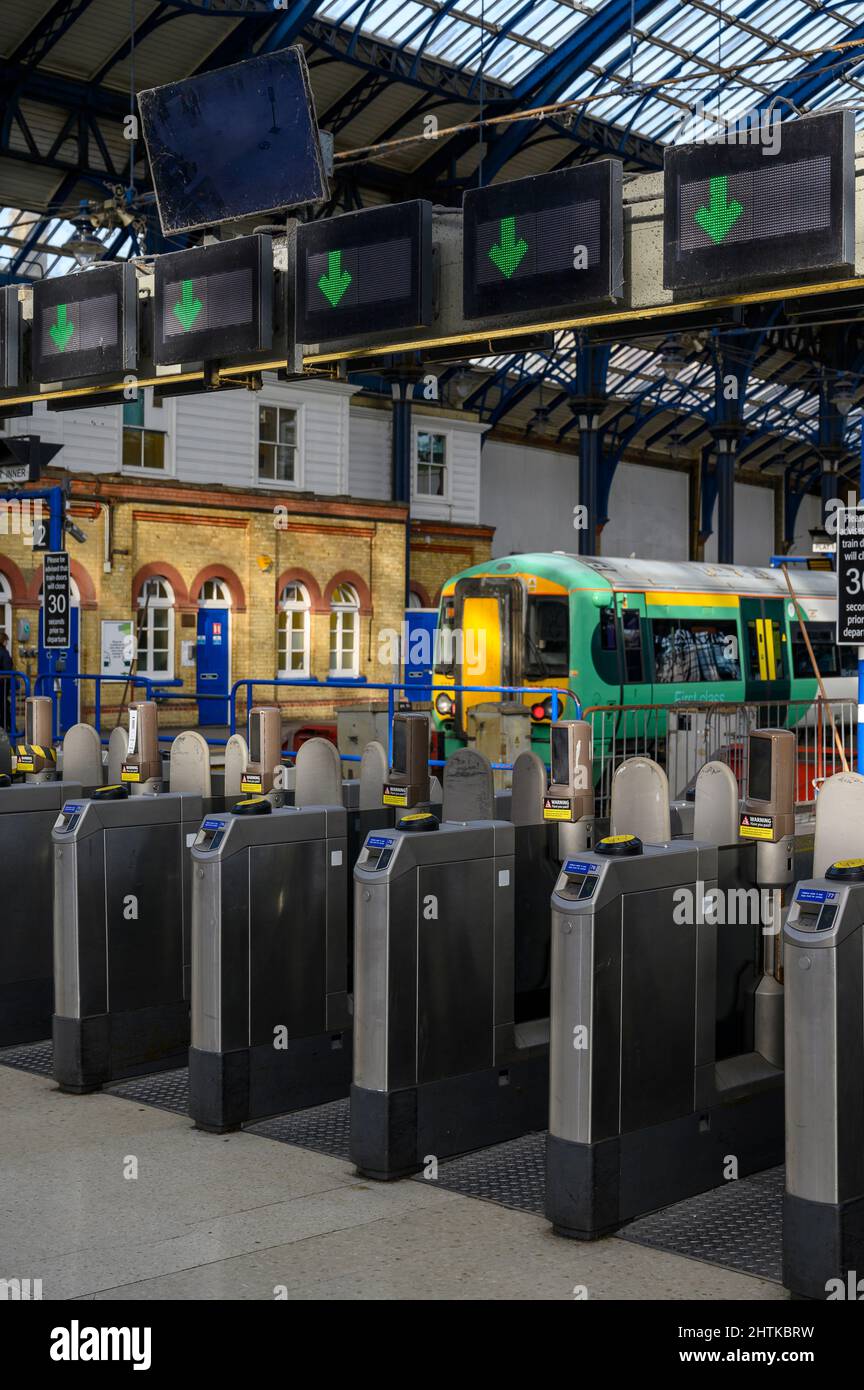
[{"x": 241, "y": 1216}]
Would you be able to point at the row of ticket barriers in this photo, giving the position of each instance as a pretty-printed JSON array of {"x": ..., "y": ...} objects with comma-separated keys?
[{"x": 677, "y": 995}]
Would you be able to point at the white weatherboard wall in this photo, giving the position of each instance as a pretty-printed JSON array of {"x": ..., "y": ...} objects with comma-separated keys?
[
  {"x": 370, "y": 463},
  {"x": 754, "y": 526},
  {"x": 648, "y": 514},
  {"x": 211, "y": 437}
]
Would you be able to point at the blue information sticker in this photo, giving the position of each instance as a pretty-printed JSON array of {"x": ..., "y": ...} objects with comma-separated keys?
[
  {"x": 378, "y": 842},
  {"x": 214, "y": 825},
  {"x": 579, "y": 866},
  {"x": 70, "y": 807},
  {"x": 814, "y": 895}
]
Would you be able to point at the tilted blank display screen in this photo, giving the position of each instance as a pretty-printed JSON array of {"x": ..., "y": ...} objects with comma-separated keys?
[
  {"x": 759, "y": 773},
  {"x": 556, "y": 239},
  {"x": 366, "y": 272},
  {"x": 85, "y": 324},
  {"x": 214, "y": 302},
  {"x": 779, "y": 206},
  {"x": 237, "y": 142}
]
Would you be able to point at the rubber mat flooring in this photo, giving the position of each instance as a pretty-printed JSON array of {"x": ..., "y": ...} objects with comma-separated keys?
[{"x": 738, "y": 1226}]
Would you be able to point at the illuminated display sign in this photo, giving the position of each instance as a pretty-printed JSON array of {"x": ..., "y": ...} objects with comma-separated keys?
[
  {"x": 537, "y": 243},
  {"x": 240, "y": 141},
  {"x": 780, "y": 204},
  {"x": 366, "y": 272},
  {"x": 214, "y": 302},
  {"x": 85, "y": 324},
  {"x": 9, "y": 341}
]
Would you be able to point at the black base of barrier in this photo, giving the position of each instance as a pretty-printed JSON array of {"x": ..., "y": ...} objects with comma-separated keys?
[
  {"x": 823, "y": 1248},
  {"x": 26, "y": 1007},
  {"x": 593, "y": 1189},
  {"x": 394, "y": 1133},
  {"x": 90, "y": 1052},
  {"x": 230, "y": 1089}
]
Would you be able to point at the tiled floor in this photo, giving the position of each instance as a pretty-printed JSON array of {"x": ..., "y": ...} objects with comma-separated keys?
[{"x": 240, "y": 1216}]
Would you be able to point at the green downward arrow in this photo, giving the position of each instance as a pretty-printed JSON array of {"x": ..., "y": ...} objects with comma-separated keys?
[
  {"x": 334, "y": 284},
  {"x": 187, "y": 307},
  {"x": 507, "y": 251},
  {"x": 720, "y": 217},
  {"x": 62, "y": 330}
]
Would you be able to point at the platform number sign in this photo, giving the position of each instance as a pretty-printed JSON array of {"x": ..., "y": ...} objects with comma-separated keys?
[
  {"x": 769, "y": 199},
  {"x": 364, "y": 273},
  {"x": 537, "y": 243},
  {"x": 214, "y": 302},
  {"x": 56, "y": 592},
  {"x": 850, "y": 577},
  {"x": 85, "y": 325}
]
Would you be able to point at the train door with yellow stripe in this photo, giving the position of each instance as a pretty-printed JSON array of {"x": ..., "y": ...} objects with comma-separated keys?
[
  {"x": 766, "y": 660},
  {"x": 488, "y": 623}
]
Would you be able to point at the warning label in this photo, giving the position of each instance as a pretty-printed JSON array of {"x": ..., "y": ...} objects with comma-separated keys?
[
  {"x": 129, "y": 774},
  {"x": 757, "y": 827},
  {"x": 395, "y": 796},
  {"x": 557, "y": 808},
  {"x": 250, "y": 782}
]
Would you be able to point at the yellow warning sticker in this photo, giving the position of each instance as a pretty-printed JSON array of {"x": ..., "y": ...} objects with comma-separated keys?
[
  {"x": 756, "y": 827},
  {"x": 130, "y": 774},
  {"x": 250, "y": 783},
  {"x": 395, "y": 797},
  {"x": 557, "y": 808}
]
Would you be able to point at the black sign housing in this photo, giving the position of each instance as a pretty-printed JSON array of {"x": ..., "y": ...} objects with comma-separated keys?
[
  {"x": 539, "y": 243},
  {"x": 850, "y": 577},
  {"x": 9, "y": 338},
  {"x": 366, "y": 272},
  {"x": 214, "y": 302},
  {"x": 85, "y": 324},
  {"x": 56, "y": 600},
  {"x": 735, "y": 211}
]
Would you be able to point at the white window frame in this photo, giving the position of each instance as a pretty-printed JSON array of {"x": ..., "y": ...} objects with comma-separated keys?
[
  {"x": 224, "y": 601},
  {"x": 432, "y": 499},
  {"x": 145, "y": 642},
  {"x": 289, "y": 607},
  {"x": 6, "y": 613},
  {"x": 264, "y": 399},
  {"x": 338, "y": 611},
  {"x": 158, "y": 420}
]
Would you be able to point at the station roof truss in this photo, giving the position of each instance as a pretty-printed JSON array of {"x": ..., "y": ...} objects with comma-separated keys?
[{"x": 632, "y": 76}]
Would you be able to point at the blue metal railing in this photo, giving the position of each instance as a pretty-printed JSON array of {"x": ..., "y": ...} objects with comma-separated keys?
[
  {"x": 147, "y": 683},
  {"x": 391, "y": 687},
  {"x": 10, "y": 678}
]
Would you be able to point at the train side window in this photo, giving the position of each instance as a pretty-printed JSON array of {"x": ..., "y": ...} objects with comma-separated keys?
[
  {"x": 688, "y": 651},
  {"x": 547, "y": 636},
  {"x": 631, "y": 628},
  {"x": 830, "y": 659},
  {"x": 608, "y": 630}
]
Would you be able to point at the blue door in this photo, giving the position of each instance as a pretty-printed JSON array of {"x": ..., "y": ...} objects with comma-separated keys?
[
  {"x": 213, "y": 665},
  {"x": 420, "y": 624},
  {"x": 66, "y": 664}
]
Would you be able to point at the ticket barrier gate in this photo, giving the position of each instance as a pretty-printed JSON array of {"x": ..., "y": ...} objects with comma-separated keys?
[
  {"x": 28, "y": 810},
  {"x": 664, "y": 1054},
  {"x": 823, "y": 1208},
  {"x": 445, "y": 1060},
  {"x": 271, "y": 944},
  {"x": 121, "y": 914}
]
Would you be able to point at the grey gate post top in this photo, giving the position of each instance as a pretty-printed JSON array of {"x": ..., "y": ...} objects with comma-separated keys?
[
  {"x": 529, "y": 789},
  {"x": 715, "y": 811},
  {"x": 236, "y": 759},
  {"x": 640, "y": 801},
  {"x": 82, "y": 756},
  {"x": 373, "y": 775},
  {"x": 118, "y": 747},
  {"x": 189, "y": 764},
  {"x": 469, "y": 791},
  {"x": 319, "y": 774}
]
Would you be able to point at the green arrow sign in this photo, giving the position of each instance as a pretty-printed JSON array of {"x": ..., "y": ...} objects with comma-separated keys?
[
  {"x": 62, "y": 330},
  {"x": 718, "y": 219},
  {"x": 507, "y": 252},
  {"x": 188, "y": 307},
  {"x": 334, "y": 284}
]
